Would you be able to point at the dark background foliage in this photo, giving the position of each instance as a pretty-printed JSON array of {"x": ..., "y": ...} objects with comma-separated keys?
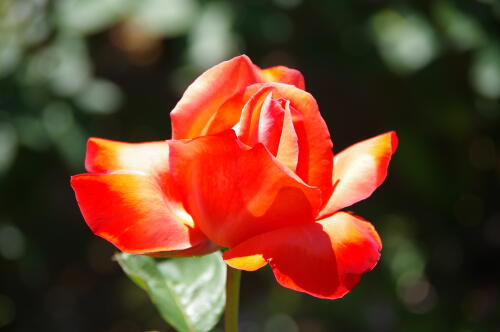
[{"x": 114, "y": 68}]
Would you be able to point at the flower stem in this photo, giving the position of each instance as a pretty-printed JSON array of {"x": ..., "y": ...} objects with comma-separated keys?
[{"x": 233, "y": 278}]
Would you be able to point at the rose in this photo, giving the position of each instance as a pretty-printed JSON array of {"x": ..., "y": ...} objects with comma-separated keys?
[{"x": 249, "y": 168}]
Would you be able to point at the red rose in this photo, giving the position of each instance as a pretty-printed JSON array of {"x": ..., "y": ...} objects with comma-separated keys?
[{"x": 249, "y": 168}]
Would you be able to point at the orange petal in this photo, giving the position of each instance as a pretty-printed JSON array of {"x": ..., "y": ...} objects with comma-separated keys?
[
  {"x": 197, "y": 111},
  {"x": 130, "y": 210},
  {"x": 288, "y": 149},
  {"x": 145, "y": 163},
  {"x": 359, "y": 170},
  {"x": 270, "y": 124},
  {"x": 248, "y": 126},
  {"x": 325, "y": 259},
  {"x": 234, "y": 193},
  {"x": 149, "y": 158},
  {"x": 281, "y": 74},
  {"x": 106, "y": 156},
  {"x": 269, "y": 121},
  {"x": 315, "y": 161}
]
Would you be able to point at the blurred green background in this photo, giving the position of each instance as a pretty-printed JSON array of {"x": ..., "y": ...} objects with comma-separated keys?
[{"x": 429, "y": 69}]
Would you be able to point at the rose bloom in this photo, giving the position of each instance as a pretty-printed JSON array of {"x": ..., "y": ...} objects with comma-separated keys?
[{"x": 250, "y": 168}]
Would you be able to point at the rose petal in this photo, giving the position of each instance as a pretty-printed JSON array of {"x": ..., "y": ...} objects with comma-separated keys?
[
  {"x": 212, "y": 103},
  {"x": 106, "y": 156},
  {"x": 288, "y": 149},
  {"x": 270, "y": 124},
  {"x": 131, "y": 210},
  {"x": 194, "y": 114},
  {"x": 149, "y": 160},
  {"x": 315, "y": 161},
  {"x": 269, "y": 121},
  {"x": 234, "y": 193},
  {"x": 325, "y": 259},
  {"x": 359, "y": 170},
  {"x": 284, "y": 75},
  {"x": 248, "y": 126}
]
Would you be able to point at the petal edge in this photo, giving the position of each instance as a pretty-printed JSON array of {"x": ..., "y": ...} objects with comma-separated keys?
[
  {"x": 359, "y": 170},
  {"x": 130, "y": 210},
  {"x": 325, "y": 259},
  {"x": 234, "y": 192}
]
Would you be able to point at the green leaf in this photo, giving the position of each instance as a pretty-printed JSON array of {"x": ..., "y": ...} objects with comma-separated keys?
[{"x": 188, "y": 292}]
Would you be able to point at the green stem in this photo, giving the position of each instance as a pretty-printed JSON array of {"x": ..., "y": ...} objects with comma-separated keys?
[{"x": 232, "y": 299}]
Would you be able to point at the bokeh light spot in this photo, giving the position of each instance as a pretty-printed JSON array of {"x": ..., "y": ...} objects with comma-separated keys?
[
  {"x": 12, "y": 242},
  {"x": 406, "y": 41}
]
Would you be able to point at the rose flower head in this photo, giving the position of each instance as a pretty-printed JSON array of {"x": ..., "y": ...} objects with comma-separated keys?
[{"x": 250, "y": 168}]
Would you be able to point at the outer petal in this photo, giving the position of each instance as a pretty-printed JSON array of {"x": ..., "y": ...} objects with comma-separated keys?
[
  {"x": 213, "y": 102},
  {"x": 106, "y": 156},
  {"x": 130, "y": 210},
  {"x": 284, "y": 75},
  {"x": 235, "y": 193},
  {"x": 359, "y": 170},
  {"x": 194, "y": 114},
  {"x": 122, "y": 212},
  {"x": 315, "y": 146},
  {"x": 325, "y": 259}
]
